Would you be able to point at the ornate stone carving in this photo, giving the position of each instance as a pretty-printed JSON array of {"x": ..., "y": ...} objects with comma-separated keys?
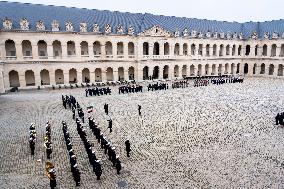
[
  {"x": 229, "y": 35},
  {"x": 131, "y": 30},
  {"x": 254, "y": 35},
  {"x": 275, "y": 35},
  {"x": 241, "y": 36},
  {"x": 185, "y": 32},
  {"x": 266, "y": 35},
  {"x": 55, "y": 25},
  {"x": 200, "y": 35},
  {"x": 24, "y": 23},
  {"x": 69, "y": 26},
  {"x": 107, "y": 29},
  {"x": 208, "y": 34},
  {"x": 177, "y": 33},
  {"x": 222, "y": 35},
  {"x": 96, "y": 28},
  {"x": 40, "y": 26},
  {"x": 235, "y": 35},
  {"x": 83, "y": 27},
  {"x": 7, "y": 24},
  {"x": 156, "y": 31},
  {"x": 119, "y": 29},
  {"x": 215, "y": 35},
  {"x": 193, "y": 33}
]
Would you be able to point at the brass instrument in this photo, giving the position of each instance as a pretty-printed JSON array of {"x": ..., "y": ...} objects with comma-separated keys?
[{"x": 49, "y": 170}]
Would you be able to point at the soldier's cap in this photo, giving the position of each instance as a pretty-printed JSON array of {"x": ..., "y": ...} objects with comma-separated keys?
[
  {"x": 75, "y": 165},
  {"x": 98, "y": 161},
  {"x": 71, "y": 150},
  {"x": 117, "y": 157},
  {"x": 102, "y": 134},
  {"x": 73, "y": 156},
  {"x": 113, "y": 148}
]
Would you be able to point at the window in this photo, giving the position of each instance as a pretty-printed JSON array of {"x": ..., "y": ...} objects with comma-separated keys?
[
  {"x": 13, "y": 53},
  {"x": 69, "y": 53},
  {"x": 28, "y": 53},
  {"x": 41, "y": 53},
  {"x": 56, "y": 53},
  {"x": 82, "y": 52}
]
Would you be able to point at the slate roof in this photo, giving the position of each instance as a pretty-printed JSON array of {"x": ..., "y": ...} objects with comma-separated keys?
[{"x": 141, "y": 22}]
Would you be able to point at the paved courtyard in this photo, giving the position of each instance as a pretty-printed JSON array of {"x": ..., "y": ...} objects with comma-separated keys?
[{"x": 207, "y": 137}]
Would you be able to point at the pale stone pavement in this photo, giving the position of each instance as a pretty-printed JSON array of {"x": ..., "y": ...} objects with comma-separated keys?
[{"x": 206, "y": 137}]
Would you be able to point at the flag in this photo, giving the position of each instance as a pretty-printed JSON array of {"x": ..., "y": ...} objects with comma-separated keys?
[{"x": 90, "y": 109}]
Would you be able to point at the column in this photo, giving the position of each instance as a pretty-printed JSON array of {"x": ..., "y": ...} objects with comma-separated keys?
[
  {"x": 257, "y": 69},
  {"x": 3, "y": 51},
  {"x": 259, "y": 51},
  {"x": 78, "y": 50},
  {"x": 66, "y": 76},
  {"x": 210, "y": 70},
  {"x": 19, "y": 51},
  {"x": 278, "y": 50},
  {"x": 79, "y": 77},
  {"x": 35, "y": 51},
  {"x": 2, "y": 87},
  {"x": 171, "y": 73},
  {"x": 138, "y": 74},
  {"x": 210, "y": 50},
  {"x": 125, "y": 74},
  {"x": 204, "y": 50},
  {"x": 115, "y": 74},
  {"x": 217, "y": 50},
  {"x": 64, "y": 50},
  {"x": 230, "y": 50},
  {"x": 266, "y": 69},
  {"x": 180, "y": 49},
  {"x": 52, "y": 77},
  {"x": 114, "y": 50},
  {"x": 268, "y": 50},
  {"x": 104, "y": 77},
  {"x": 125, "y": 51},
  {"x": 160, "y": 73},
  {"x": 243, "y": 51},
  {"x": 103, "y": 51},
  {"x": 250, "y": 69},
  {"x": 151, "y": 48},
  {"x": 37, "y": 78},
  {"x": 92, "y": 76},
  {"x": 275, "y": 72},
  {"x": 22, "y": 79},
  {"x": 91, "y": 51},
  {"x": 172, "y": 48},
  {"x": 161, "y": 52},
  {"x": 252, "y": 51},
  {"x": 49, "y": 51}
]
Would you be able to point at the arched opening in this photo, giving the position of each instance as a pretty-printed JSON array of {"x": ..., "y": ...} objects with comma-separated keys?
[
  {"x": 282, "y": 50},
  {"x": 108, "y": 48},
  {"x": 156, "y": 49},
  {"x": 176, "y": 71},
  {"x": 121, "y": 74},
  {"x": 156, "y": 72},
  {"x": 256, "y": 50},
  {"x": 73, "y": 76},
  {"x": 207, "y": 50},
  {"x": 14, "y": 79},
  {"x": 176, "y": 50},
  {"x": 145, "y": 48},
  {"x": 191, "y": 70},
  {"x": 221, "y": 50},
  {"x": 247, "y": 50},
  {"x": 280, "y": 70},
  {"x": 71, "y": 48},
  {"x": 42, "y": 49},
  {"x": 84, "y": 49},
  {"x": 273, "y": 50},
  {"x": 245, "y": 68},
  {"x": 57, "y": 49},
  {"x": 227, "y": 50},
  {"x": 131, "y": 73},
  {"x": 109, "y": 74},
  {"x": 214, "y": 69},
  {"x": 98, "y": 75},
  {"x": 262, "y": 69},
  {"x": 166, "y": 48},
  {"x": 30, "y": 78},
  {"x": 131, "y": 49},
  {"x": 97, "y": 48},
  {"x": 234, "y": 50},
  {"x": 207, "y": 69},
  {"x": 239, "y": 50},
  {"x": 26, "y": 48},
  {"x": 185, "y": 49},
  {"x": 166, "y": 72},
  {"x": 238, "y": 68},
  {"x": 200, "y": 47},
  {"x": 199, "y": 73},
  {"x": 86, "y": 75},
  {"x": 233, "y": 68},
  {"x": 220, "y": 69},
  {"x": 59, "y": 76},
  {"x": 264, "y": 50},
  {"x": 193, "y": 49},
  {"x": 146, "y": 73},
  {"x": 214, "y": 50},
  {"x": 254, "y": 69},
  {"x": 226, "y": 69},
  {"x": 184, "y": 71},
  {"x": 120, "y": 49},
  {"x": 44, "y": 76},
  {"x": 10, "y": 49},
  {"x": 271, "y": 69}
]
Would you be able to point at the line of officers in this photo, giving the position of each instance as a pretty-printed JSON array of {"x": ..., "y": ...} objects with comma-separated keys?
[
  {"x": 32, "y": 138},
  {"x": 98, "y": 91},
  {"x": 72, "y": 157},
  {"x": 47, "y": 140}
]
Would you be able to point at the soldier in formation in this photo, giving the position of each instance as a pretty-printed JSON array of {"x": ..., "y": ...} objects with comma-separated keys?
[
  {"x": 180, "y": 84},
  {"x": 127, "y": 147},
  {"x": 32, "y": 138},
  {"x": 47, "y": 143},
  {"x": 158, "y": 86},
  {"x": 130, "y": 89},
  {"x": 98, "y": 91},
  {"x": 280, "y": 119}
]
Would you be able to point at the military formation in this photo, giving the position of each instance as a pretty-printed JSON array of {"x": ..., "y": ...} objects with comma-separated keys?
[
  {"x": 47, "y": 140},
  {"x": 200, "y": 82},
  {"x": 98, "y": 91},
  {"x": 130, "y": 89},
  {"x": 223, "y": 80},
  {"x": 180, "y": 84},
  {"x": 158, "y": 86},
  {"x": 280, "y": 119}
]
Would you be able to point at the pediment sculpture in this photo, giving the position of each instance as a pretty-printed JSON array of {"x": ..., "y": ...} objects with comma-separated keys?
[
  {"x": 69, "y": 26},
  {"x": 235, "y": 35},
  {"x": 24, "y": 23},
  {"x": 96, "y": 28},
  {"x": 55, "y": 25},
  {"x": 215, "y": 35},
  {"x": 208, "y": 34},
  {"x": 275, "y": 35},
  {"x": 241, "y": 36},
  {"x": 185, "y": 32},
  {"x": 229, "y": 35},
  {"x": 131, "y": 30},
  {"x": 156, "y": 31},
  {"x": 119, "y": 29},
  {"x": 200, "y": 35},
  {"x": 222, "y": 35},
  {"x": 266, "y": 35},
  {"x": 7, "y": 24},
  {"x": 107, "y": 29},
  {"x": 177, "y": 33},
  {"x": 83, "y": 27},
  {"x": 40, "y": 26},
  {"x": 193, "y": 33},
  {"x": 254, "y": 35}
]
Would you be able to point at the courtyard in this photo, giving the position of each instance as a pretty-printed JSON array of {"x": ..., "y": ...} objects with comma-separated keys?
[{"x": 198, "y": 137}]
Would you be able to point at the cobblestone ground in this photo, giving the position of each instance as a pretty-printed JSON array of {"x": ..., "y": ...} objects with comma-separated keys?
[{"x": 206, "y": 137}]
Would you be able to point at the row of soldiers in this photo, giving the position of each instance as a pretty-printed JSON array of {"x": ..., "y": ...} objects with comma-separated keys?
[
  {"x": 72, "y": 157},
  {"x": 200, "y": 82},
  {"x": 221, "y": 80},
  {"x": 98, "y": 91},
  {"x": 47, "y": 140},
  {"x": 158, "y": 86},
  {"x": 180, "y": 84},
  {"x": 32, "y": 138},
  {"x": 130, "y": 89},
  {"x": 68, "y": 100},
  {"x": 280, "y": 119}
]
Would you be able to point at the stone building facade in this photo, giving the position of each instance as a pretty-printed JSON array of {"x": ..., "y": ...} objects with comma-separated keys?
[{"x": 42, "y": 56}]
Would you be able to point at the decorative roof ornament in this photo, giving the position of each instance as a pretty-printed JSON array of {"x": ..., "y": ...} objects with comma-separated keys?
[
  {"x": 235, "y": 35},
  {"x": 185, "y": 32},
  {"x": 83, "y": 27},
  {"x": 119, "y": 29},
  {"x": 208, "y": 34},
  {"x": 275, "y": 35},
  {"x": 69, "y": 26},
  {"x": 254, "y": 35},
  {"x": 222, "y": 35},
  {"x": 229, "y": 35},
  {"x": 7, "y": 23},
  {"x": 200, "y": 35},
  {"x": 107, "y": 29},
  {"x": 96, "y": 28},
  {"x": 40, "y": 26},
  {"x": 24, "y": 23},
  {"x": 55, "y": 25},
  {"x": 241, "y": 36},
  {"x": 215, "y": 35},
  {"x": 131, "y": 30},
  {"x": 266, "y": 35},
  {"x": 193, "y": 33},
  {"x": 177, "y": 33}
]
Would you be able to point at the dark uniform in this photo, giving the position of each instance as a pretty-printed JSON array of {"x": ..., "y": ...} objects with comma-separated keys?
[{"x": 127, "y": 145}]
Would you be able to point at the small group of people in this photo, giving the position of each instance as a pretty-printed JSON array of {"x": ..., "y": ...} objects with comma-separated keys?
[
  {"x": 200, "y": 82},
  {"x": 72, "y": 157},
  {"x": 32, "y": 138},
  {"x": 47, "y": 140},
  {"x": 280, "y": 119},
  {"x": 158, "y": 86},
  {"x": 69, "y": 100},
  {"x": 223, "y": 80},
  {"x": 98, "y": 91},
  {"x": 180, "y": 84},
  {"x": 130, "y": 89}
]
